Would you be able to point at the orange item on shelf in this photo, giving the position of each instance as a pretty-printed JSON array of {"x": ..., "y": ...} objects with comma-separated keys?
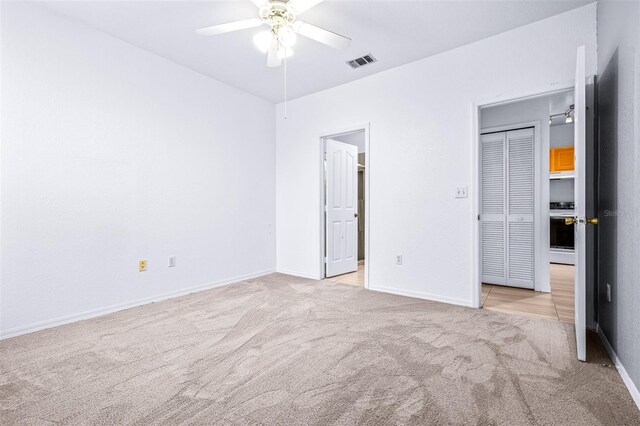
[{"x": 561, "y": 159}]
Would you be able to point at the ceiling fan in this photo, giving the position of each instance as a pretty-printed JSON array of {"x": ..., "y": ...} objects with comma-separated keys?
[{"x": 280, "y": 16}]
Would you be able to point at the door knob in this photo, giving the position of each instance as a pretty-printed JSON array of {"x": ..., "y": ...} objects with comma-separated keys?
[
  {"x": 355, "y": 215},
  {"x": 573, "y": 220}
]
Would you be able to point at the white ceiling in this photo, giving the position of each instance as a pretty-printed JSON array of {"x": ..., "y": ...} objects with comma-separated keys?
[{"x": 395, "y": 32}]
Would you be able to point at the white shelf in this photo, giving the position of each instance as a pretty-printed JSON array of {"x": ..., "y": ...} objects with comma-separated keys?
[{"x": 562, "y": 175}]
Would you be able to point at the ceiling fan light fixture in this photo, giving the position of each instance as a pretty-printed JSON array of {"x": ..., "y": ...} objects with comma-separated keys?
[
  {"x": 287, "y": 36},
  {"x": 262, "y": 40},
  {"x": 284, "y": 28}
]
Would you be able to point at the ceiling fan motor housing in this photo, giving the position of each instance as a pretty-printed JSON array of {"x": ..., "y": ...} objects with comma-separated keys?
[{"x": 277, "y": 14}]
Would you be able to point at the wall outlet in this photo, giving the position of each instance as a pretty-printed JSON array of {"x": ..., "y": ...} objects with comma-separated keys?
[
  {"x": 398, "y": 259},
  {"x": 172, "y": 261},
  {"x": 608, "y": 292},
  {"x": 142, "y": 265},
  {"x": 462, "y": 192}
]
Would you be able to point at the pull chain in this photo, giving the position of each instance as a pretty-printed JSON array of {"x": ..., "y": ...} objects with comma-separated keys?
[{"x": 285, "y": 84}]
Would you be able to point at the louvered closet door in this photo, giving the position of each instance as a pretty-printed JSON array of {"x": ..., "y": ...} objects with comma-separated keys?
[
  {"x": 520, "y": 196},
  {"x": 493, "y": 208}
]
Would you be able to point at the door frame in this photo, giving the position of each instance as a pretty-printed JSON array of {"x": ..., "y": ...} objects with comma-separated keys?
[
  {"x": 367, "y": 198},
  {"x": 476, "y": 277}
]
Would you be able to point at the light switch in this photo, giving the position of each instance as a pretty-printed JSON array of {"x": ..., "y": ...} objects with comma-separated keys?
[{"x": 462, "y": 192}]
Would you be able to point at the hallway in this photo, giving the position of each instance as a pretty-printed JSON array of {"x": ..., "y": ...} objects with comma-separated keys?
[{"x": 557, "y": 305}]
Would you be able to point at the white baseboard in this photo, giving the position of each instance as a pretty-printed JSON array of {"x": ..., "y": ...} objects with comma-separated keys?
[
  {"x": 421, "y": 295},
  {"x": 633, "y": 390},
  {"x": 42, "y": 325},
  {"x": 297, "y": 273}
]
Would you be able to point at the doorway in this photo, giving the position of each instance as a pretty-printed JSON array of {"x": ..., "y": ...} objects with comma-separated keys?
[
  {"x": 585, "y": 182},
  {"x": 526, "y": 191},
  {"x": 345, "y": 200}
]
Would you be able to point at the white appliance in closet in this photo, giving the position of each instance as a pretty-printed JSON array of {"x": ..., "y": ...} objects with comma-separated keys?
[{"x": 507, "y": 208}]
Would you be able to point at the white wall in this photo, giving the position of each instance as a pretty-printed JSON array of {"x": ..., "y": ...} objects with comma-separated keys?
[
  {"x": 561, "y": 189},
  {"x": 420, "y": 151},
  {"x": 619, "y": 184},
  {"x": 561, "y": 135},
  {"x": 111, "y": 154}
]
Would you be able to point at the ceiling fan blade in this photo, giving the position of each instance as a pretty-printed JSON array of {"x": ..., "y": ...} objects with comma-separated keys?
[
  {"x": 273, "y": 59},
  {"x": 303, "y": 5},
  {"x": 321, "y": 35},
  {"x": 230, "y": 26},
  {"x": 259, "y": 3}
]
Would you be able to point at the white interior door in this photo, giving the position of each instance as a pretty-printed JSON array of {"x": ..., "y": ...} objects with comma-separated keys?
[
  {"x": 579, "y": 120},
  {"x": 520, "y": 202},
  {"x": 493, "y": 208},
  {"x": 342, "y": 208}
]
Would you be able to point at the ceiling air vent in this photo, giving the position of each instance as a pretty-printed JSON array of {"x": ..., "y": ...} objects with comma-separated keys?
[{"x": 362, "y": 61}]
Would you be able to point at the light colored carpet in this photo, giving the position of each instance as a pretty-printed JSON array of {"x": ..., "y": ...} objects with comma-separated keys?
[{"x": 285, "y": 350}]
